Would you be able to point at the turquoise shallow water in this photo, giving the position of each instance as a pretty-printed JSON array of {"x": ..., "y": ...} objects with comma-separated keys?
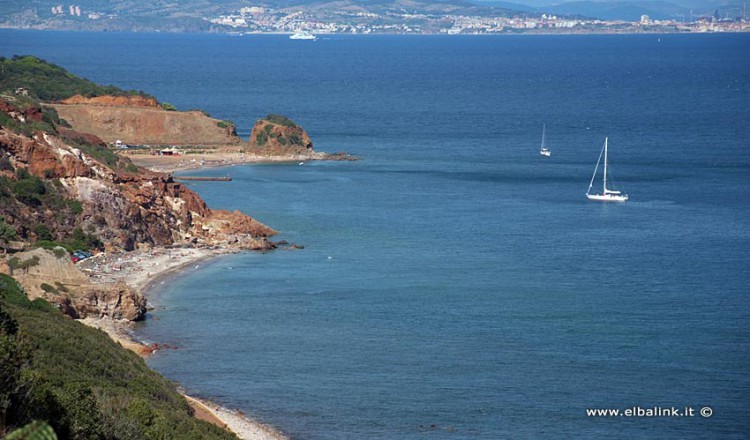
[{"x": 453, "y": 283}]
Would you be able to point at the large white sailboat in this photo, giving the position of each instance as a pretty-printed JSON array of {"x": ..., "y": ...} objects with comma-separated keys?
[
  {"x": 543, "y": 150},
  {"x": 607, "y": 195}
]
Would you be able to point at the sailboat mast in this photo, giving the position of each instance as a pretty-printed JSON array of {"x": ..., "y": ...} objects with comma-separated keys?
[
  {"x": 605, "y": 166},
  {"x": 544, "y": 132}
]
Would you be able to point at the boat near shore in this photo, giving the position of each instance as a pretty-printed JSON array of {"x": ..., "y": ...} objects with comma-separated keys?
[{"x": 302, "y": 35}]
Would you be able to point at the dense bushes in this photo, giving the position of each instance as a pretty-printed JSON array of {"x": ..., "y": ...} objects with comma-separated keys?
[
  {"x": 49, "y": 82},
  {"x": 81, "y": 382},
  {"x": 7, "y": 232},
  {"x": 29, "y": 189},
  {"x": 281, "y": 120}
]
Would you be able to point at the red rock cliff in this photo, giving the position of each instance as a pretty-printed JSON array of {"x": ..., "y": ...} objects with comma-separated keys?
[{"x": 126, "y": 209}]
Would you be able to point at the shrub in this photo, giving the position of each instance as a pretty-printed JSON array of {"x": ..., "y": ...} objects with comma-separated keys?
[
  {"x": 5, "y": 164},
  {"x": 74, "y": 206},
  {"x": 295, "y": 139},
  {"x": 47, "y": 288},
  {"x": 7, "y": 232},
  {"x": 36, "y": 430},
  {"x": 168, "y": 107},
  {"x": 281, "y": 120},
  {"x": 28, "y": 189},
  {"x": 16, "y": 263},
  {"x": 43, "y": 232},
  {"x": 59, "y": 252},
  {"x": 81, "y": 240},
  {"x": 51, "y": 245}
]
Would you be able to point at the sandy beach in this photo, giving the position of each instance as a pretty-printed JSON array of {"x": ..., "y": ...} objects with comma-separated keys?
[
  {"x": 143, "y": 270},
  {"x": 168, "y": 164}
]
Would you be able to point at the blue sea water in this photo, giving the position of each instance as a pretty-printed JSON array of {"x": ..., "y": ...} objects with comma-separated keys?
[{"x": 454, "y": 284}]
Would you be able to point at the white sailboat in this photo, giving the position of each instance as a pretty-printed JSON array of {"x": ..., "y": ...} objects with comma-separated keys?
[
  {"x": 607, "y": 195},
  {"x": 543, "y": 150}
]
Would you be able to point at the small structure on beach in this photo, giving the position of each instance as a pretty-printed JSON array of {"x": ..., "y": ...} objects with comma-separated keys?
[{"x": 169, "y": 152}]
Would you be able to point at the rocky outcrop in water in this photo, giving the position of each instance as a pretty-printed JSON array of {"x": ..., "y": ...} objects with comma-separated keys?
[{"x": 277, "y": 135}]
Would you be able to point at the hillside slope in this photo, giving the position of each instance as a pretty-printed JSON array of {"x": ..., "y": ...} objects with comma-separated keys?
[
  {"x": 139, "y": 125},
  {"x": 81, "y": 382}
]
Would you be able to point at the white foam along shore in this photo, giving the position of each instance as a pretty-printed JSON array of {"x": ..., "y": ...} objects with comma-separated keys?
[{"x": 143, "y": 271}]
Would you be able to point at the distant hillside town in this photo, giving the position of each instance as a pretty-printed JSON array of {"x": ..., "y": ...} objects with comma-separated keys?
[
  {"x": 259, "y": 19},
  {"x": 350, "y": 17}
]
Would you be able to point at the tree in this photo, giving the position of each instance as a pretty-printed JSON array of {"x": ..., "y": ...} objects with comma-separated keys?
[{"x": 7, "y": 233}]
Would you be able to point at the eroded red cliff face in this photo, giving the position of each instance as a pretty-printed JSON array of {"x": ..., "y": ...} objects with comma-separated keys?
[
  {"x": 126, "y": 209},
  {"x": 134, "y": 101},
  {"x": 121, "y": 205},
  {"x": 136, "y": 120}
]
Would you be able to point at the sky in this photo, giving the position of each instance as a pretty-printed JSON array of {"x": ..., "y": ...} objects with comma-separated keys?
[{"x": 703, "y": 4}]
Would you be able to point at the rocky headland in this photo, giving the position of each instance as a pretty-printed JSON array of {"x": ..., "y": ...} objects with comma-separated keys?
[
  {"x": 63, "y": 187},
  {"x": 194, "y": 139},
  {"x": 124, "y": 208}
]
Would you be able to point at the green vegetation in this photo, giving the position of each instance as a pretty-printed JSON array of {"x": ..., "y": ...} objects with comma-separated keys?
[
  {"x": 224, "y": 124},
  {"x": 75, "y": 206},
  {"x": 131, "y": 168},
  {"x": 28, "y": 189},
  {"x": 47, "y": 288},
  {"x": 43, "y": 232},
  {"x": 77, "y": 240},
  {"x": 59, "y": 252},
  {"x": 281, "y": 120},
  {"x": 35, "y": 430},
  {"x": 49, "y": 82},
  {"x": 98, "y": 152},
  {"x": 82, "y": 240},
  {"x": 28, "y": 128},
  {"x": 5, "y": 164},
  {"x": 7, "y": 232},
  {"x": 80, "y": 382},
  {"x": 168, "y": 107},
  {"x": 16, "y": 263},
  {"x": 43, "y": 197}
]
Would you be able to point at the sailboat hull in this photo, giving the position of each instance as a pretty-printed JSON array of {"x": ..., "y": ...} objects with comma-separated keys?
[{"x": 607, "y": 197}]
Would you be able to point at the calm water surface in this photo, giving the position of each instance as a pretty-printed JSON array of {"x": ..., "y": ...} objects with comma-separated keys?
[{"x": 454, "y": 284}]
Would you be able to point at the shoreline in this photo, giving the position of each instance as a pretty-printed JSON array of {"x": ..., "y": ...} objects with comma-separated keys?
[
  {"x": 197, "y": 161},
  {"x": 144, "y": 271}
]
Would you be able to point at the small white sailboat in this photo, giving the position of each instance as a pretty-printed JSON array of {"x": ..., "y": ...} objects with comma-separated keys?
[
  {"x": 607, "y": 195},
  {"x": 543, "y": 150}
]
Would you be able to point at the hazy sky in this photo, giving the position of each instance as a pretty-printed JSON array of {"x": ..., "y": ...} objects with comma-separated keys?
[{"x": 684, "y": 3}]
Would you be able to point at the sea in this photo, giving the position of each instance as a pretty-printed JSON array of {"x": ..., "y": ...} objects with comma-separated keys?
[{"x": 454, "y": 284}]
